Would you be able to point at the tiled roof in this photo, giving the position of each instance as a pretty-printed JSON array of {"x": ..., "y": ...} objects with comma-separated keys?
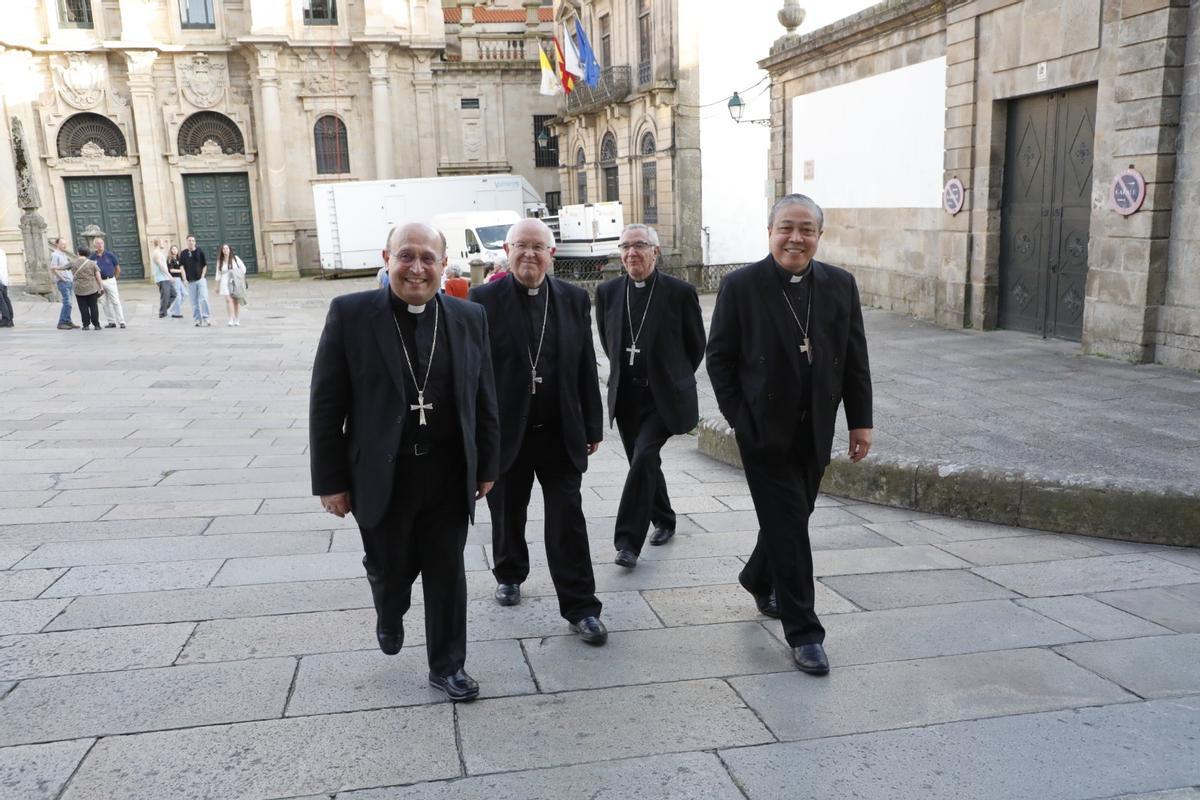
[{"x": 485, "y": 14}]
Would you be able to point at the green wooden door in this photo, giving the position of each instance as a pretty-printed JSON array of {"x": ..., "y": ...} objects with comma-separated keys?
[
  {"x": 108, "y": 202},
  {"x": 218, "y": 210}
]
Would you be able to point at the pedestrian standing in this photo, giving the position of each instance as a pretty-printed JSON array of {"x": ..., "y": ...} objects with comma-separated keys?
[
  {"x": 162, "y": 277},
  {"x": 231, "y": 281},
  {"x": 6, "y": 309},
  {"x": 88, "y": 288},
  {"x": 195, "y": 269},
  {"x": 456, "y": 284},
  {"x": 175, "y": 269},
  {"x": 110, "y": 270},
  {"x": 63, "y": 279},
  {"x": 787, "y": 347},
  {"x": 653, "y": 333}
]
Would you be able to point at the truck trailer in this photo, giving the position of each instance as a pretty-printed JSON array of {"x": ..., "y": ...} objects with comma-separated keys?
[{"x": 353, "y": 217}]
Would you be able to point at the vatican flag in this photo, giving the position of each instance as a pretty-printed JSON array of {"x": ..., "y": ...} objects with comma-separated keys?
[{"x": 550, "y": 85}]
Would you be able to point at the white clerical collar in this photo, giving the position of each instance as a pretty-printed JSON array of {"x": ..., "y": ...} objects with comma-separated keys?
[
  {"x": 534, "y": 291},
  {"x": 640, "y": 284},
  {"x": 798, "y": 278},
  {"x": 417, "y": 309}
]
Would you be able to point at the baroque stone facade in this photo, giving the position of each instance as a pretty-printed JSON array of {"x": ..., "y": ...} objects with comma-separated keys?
[
  {"x": 165, "y": 116},
  {"x": 1137, "y": 58}
]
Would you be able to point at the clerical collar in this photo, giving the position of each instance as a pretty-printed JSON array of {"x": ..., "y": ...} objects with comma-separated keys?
[
  {"x": 786, "y": 276},
  {"x": 643, "y": 284},
  {"x": 399, "y": 305},
  {"x": 522, "y": 289},
  {"x": 416, "y": 309}
]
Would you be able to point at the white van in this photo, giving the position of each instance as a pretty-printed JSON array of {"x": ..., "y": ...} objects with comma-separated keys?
[{"x": 474, "y": 235}]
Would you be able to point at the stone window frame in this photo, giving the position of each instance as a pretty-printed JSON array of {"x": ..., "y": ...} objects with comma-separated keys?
[
  {"x": 323, "y": 152},
  {"x": 607, "y": 158},
  {"x": 329, "y": 18},
  {"x": 648, "y": 153},
  {"x": 63, "y": 7},
  {"x": 184, "y": 12}
]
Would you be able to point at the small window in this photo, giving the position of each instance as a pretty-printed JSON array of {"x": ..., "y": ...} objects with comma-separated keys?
[
  {"x": 472, "y": 242},
  {"x": 329, "y": 141},
  {"x": 320, "y": 12},
  {"x": 469, "y": 102},
  {"x": 197, "y": 14},
  {"x": 580, "y": 177},
  {"x": 553, "y": 202},
  {"x": 649, "y": 180},
  {"x": 75, "y": 14},
  {"x": 605, "y": 41},
  {"x": 645, "y": 42},
  {"x": 547, "y": 155}
]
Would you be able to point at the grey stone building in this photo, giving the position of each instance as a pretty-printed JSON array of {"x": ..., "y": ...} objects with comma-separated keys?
[
  {"x": 152, "y": 118},
  {"x": 1045, "y": 104}
]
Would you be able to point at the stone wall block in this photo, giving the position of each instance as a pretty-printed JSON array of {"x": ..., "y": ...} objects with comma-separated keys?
[
  {"x": 960, "y": 94},
  {"x": 1166, "y": 52},
  {"x": 960, "y": 52},
  {"x": 1133, "y": 8},
  {"x": 1147, "y": 113},
  {"x": 1151, "y": 141},
  {"x": 1150, "y": 83},
  {"x": 963, "y": 72},
  {"x": 960, "y": 31},
  {"x": 1154, "y": 25}
]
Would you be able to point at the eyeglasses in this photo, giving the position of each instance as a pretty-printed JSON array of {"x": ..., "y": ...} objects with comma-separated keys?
[
  {"x": 406, "y": 257},
  {"x": 534, "y": 247},
  {"x": 625, "y": 247}
]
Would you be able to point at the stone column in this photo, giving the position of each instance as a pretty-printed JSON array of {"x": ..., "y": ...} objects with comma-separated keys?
[
  {"x": 280, "y": 232},
  {"x": 1137, "y": 125},
  {"x": 147, "y": 128},
  {"x": 961, "y": 292},
  {"x": 381, "y": 110}
]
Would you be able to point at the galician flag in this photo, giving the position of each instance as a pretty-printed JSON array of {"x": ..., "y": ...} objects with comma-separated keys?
[
  {"x": 572, "y": 65},
  {"x": 591, "y": 67},
  {"x": 550, "y": 85}
]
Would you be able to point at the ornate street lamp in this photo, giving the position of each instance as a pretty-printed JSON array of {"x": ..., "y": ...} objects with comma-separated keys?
[{"x": 737, "y": 105}]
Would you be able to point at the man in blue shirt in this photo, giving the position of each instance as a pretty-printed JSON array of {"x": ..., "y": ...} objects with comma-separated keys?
[{"x": 110, "y": 270}]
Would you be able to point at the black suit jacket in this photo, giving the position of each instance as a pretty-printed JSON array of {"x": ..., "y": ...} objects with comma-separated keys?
[
  {"x": 754, "y": 362},
  {"x": 358, "y": 408},
  {"x": 673, "y": 341},
  {"x": 580, "y": 411}
]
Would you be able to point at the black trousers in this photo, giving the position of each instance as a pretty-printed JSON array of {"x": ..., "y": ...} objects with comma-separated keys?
[
  {"x": 166, "y": 296},
  {"x": 567, "y": 554},
  {"x": 423, "y": 532},
  {"x": 644, "y": 499},
  {"x": 784, "y": 489},
  {"x": 89, "y": 309}
]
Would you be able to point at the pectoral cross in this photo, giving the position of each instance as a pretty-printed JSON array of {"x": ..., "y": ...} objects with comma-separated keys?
[
  {"x": 422, "y": 406},
  {"x": 534, "y": 380},
  {"x": 633, "y": 350},
  {"x": 806, "y": 348}
]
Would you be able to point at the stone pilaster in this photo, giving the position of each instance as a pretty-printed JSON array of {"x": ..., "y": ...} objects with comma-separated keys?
[
  {"x": 147, "y": 126},
  {"x": 381, "y": 109},
  {"x": 280, "y": 232},
  {"x": 960, "y": 288},
  {"x": 1137, "y": 125}
]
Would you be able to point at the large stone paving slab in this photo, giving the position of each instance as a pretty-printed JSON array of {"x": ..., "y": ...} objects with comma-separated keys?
[
  {"x": 903, "y": 589},
  {"x": 727, "y": 603},
  {"x": 668, "y": 573},
  {"x": 44, "y": 654},
  {"x": 1083, "y": 575},
  {"x": 39, "y": 771},
  {"x": 176, "y": 548},
  {"x": 1020, "y": 550},
  {"x": 679, "y": 776},
  {"x": 1093, "y": 618},
  {"x": 900, "y": 634},
  {"x": 28, "y": 616},
  {"x": 213, "y": 603},
  {"x": 26, "y": 584},
  {"x": 668, "y": 654},
  {"x": 41, "y": 532},
  {"x": 1066, "y": 755},
  {"x": 604, "y": 724},
  {"x": 124, "y": 578},
  {"x": 1175, "y": 607},
  {"x": 883, "y": 559},
  {"x": 287, "y": 635},
  {"x": 45, "y": 709},
  {"x": 336, "y": 682},
  {"x": 921, "y": 692},
  {"x": 1154, "y": 666},
  {"x": 278, "y": 758}
]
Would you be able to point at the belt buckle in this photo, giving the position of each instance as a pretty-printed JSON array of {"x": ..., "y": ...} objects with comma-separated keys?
[{"x": 420, "y": 450}]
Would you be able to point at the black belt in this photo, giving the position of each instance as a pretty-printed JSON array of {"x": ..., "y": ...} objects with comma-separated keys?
[
  {"x": 641, "y": 383},
  {"x": 416, "y": 449}
]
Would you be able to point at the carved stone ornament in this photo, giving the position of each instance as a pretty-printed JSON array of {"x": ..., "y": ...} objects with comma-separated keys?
[
  {"x": 27, "y": 191},
  {"x": 323, "y": 84},
  {"x": 203, "y": 82},
  {"x": 91, "y": 150},
  {"x": 81, "y": 82},
  {"x": 211, "y": 148}
]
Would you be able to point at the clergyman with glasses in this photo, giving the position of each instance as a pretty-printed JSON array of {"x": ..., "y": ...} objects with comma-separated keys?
[
  {"x": 551, "y": 421},
  {"x": 404, "y": 434},
  {"x": 785, "y": 348},
  {"x": 652, "y": 330}
]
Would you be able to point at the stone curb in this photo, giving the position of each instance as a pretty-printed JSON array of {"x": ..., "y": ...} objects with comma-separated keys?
[{"x": 1066, "y": 504}]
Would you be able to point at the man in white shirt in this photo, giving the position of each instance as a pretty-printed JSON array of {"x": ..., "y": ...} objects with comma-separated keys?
[{"x": 64, "y": 279}]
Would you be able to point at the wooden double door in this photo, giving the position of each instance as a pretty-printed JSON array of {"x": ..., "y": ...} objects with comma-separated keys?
[
  {"x": 1046, "y": 212},
  {"x": 218, "y": 210},
  {"x": 107, "y": 201}
]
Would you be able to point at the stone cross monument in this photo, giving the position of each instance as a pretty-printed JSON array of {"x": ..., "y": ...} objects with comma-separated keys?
[{"x": 33, "y": 227}]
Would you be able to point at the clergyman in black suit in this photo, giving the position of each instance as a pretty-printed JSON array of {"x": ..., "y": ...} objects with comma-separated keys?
[
  {"x": 403, "y": 431},
  {"x": 787, "y": 345},
  {"x": 550, "y": 423},
  {"x": 652, "y": 330}
]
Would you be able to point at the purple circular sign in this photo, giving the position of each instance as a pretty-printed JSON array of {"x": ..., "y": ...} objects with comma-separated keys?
[
  {"x": 954, "y": 196},
  {"x": 1127, "y": 193}
]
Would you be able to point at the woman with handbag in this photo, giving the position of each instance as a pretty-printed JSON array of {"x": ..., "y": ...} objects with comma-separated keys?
[
  {"x": 231, "y": 282},
  {"x": 88, "y": 288}
]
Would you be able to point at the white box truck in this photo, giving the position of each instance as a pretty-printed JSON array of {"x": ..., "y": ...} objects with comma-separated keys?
[
  {"x": 589, "y": 230},
  {"x": 353, "y": 217}
]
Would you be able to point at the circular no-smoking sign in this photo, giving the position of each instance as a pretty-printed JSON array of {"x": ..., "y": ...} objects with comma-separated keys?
[
  {"x": 1127, "y": 193},
  {"x": 954, "y": 196}
]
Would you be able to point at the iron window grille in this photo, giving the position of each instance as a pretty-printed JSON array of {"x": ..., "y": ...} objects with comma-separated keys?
[
  {"x": 320, "y": 12},
  {"x": 205, "y": 126},
  {"x": 332, "y": 149},
  {"x": 649, "y": 180},
  {"x": 544, "y": 156},
  {"x": 84, "y": 128},
  {"x": 197, "y": 14},
  {"x": 75, "y": 14}
]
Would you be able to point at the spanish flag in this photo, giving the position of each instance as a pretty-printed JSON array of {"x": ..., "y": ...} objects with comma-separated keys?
[{"x": 568, "y": 81}]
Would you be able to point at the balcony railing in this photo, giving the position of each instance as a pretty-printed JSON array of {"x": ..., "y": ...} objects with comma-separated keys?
[{"x": 614, "y": 85}]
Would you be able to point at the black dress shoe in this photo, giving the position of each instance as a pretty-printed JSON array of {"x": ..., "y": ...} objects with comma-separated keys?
[
  {"x": 591, "y": 630},
  {"x": 661, "y": 536},
  {"x": 767, "y": 604},
  {"x": 811, "y": 658},
  {"x": 111, "y": 325},
  {"x": 626, "y": 558},
  {"x": 459, "y": 687},
  {"x": 508, "y": 594},
  {"x": 390, "y": 639}
]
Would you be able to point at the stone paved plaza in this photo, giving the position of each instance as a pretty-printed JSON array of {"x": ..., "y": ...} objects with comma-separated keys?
[{"x": 179, "y": 620}]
